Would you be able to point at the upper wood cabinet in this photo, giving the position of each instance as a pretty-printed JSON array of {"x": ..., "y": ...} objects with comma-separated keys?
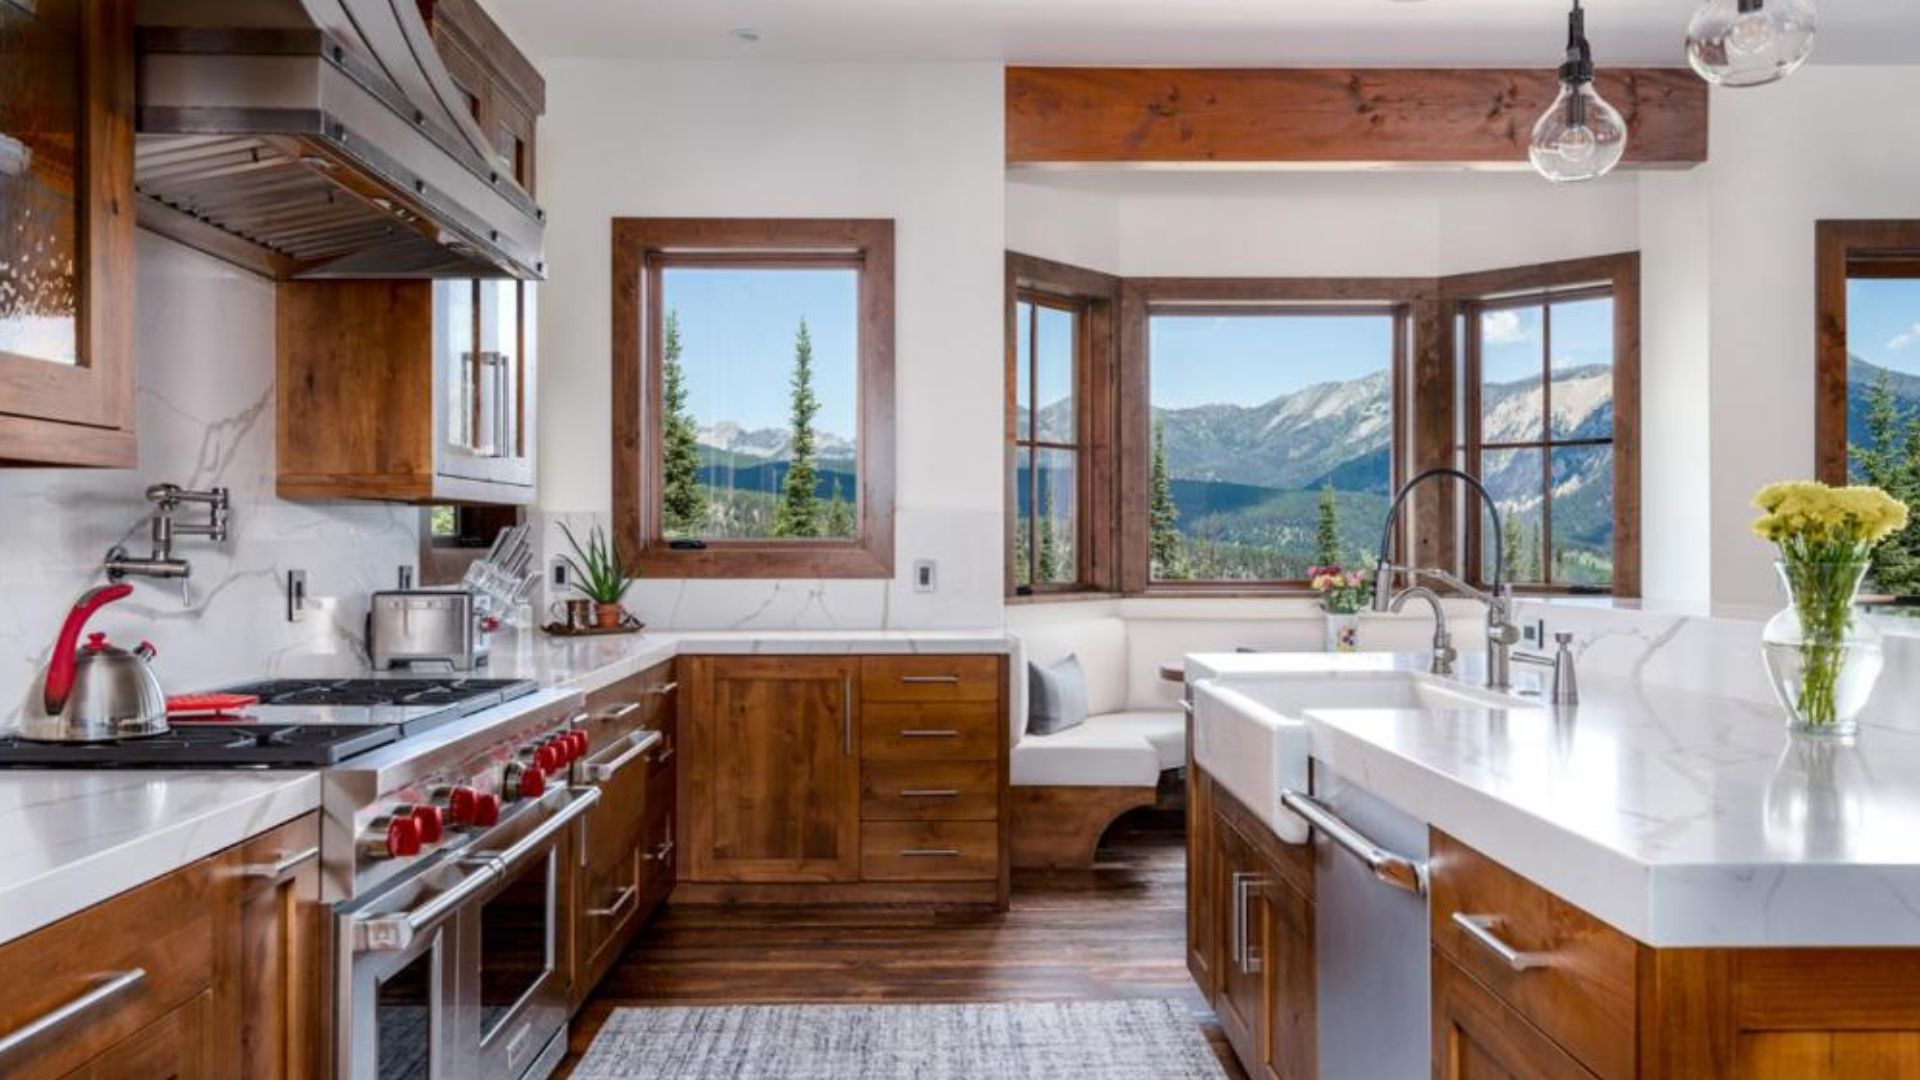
[
  {"x": 66, "y": 233},
  {"x": 773, "y": 769},
  {"x": 504, "y": 93},
  {"x": 411, "y": 391}
]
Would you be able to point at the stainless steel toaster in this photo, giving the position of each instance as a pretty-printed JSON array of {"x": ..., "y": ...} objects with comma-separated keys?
[{"x": 409, "y": 627}]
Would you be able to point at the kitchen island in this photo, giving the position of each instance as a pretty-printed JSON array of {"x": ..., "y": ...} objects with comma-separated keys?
[{"x": 1653, "y": 883}]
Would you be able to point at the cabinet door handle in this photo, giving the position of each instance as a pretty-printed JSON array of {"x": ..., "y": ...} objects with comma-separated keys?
[
  {"x": 929, "y": 733},
  {"x": 620, "y": 900},
  {"x": 662, "y": 851},
  {"x": 620, "y": 713},
  {"x": 846, "y": 714},
  {"x": 931, "y": 853},
  {"x": 1243, "y": 956},
  {"x": 929, "y": 793},
  {"x": 666, "y": 753},
  {"x": 663, "y": 689},
  {"x": 278, "y": 871},
  {"x": 933, "y": 680},
  {"x": 1480, "y": 929},
  {"x": 109, "y": 988}
]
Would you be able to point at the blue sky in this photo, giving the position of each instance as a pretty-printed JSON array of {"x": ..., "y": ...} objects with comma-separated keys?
[
  {"x": 1883, "y": 322},
  {"x": 1510, "y": 339},
  {"x": 1251, "y": 359},
  {"x": 736, "y": 337}
]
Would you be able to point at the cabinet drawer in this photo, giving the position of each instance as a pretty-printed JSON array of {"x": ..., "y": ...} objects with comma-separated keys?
[
  {"x": 923, "y": 790},
  {"x": 1574, "y": 977},
  {"x": 110, "y": 970},
  {"x": 955, "y": 732},
  {"x": 1477, "y": 1037},
  {"x": 930, "y": 678},
  {"x": 659, "y": 856},
  {"x": 647, "y": 700},
  {"x": 610, "y": 897},
  {"x": 174, "y": 1046},
  {"x": 930, "y": 851}
]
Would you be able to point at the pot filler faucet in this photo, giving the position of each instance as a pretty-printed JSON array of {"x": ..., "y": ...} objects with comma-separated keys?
[
  {"x": 167, "y": 500},
  {"x": 1501, "y": 632}
]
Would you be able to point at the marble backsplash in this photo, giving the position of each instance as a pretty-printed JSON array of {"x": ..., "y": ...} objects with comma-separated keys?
[{"x": 204, "y": 347}]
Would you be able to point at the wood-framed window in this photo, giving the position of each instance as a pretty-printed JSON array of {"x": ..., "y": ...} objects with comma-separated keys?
[
  {"x": 1060, "y": 428},
  {"x": 1867, "y": 365},
  {"x": 1550, "y": 421},
  {"x": 1249, "y": 401},
  {"x": 746, "y": 351}
]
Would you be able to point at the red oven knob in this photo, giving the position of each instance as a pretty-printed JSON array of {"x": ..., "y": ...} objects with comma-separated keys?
[
  {"x": 581, "y": 741},
  {"x": 460, "y": 805},
  {"x": 550, "y": 757},
  {"x": 432, "y": 825},
  {"x": 486, "y": 810},
  {"x": 533, "y": 783},
  {"x": 403, "y": 837}
]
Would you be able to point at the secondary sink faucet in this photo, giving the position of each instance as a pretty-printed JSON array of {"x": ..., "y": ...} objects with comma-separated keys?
[
  {"x": 1444, "y": 653},
  {"x": 1498, "y": 597}
]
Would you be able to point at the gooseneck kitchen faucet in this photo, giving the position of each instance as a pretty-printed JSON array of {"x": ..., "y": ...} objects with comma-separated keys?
[{"x": 1498, "y": 598}]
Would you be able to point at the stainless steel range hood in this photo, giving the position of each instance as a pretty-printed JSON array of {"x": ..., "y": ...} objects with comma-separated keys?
[{"x": 320, "y": 139}]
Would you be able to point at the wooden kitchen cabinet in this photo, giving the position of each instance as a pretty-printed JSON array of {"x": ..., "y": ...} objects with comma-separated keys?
[
  {"x": 505, "y": 94},
  {"x": 407, "y": 391},
  {"x": 844, "y": 779},
  {"x": 66, "y": 234},
  {"x": 1476, "y": 1037},
  {"x": 213, "y": 970},
  {"x": 626, "y": 869}
]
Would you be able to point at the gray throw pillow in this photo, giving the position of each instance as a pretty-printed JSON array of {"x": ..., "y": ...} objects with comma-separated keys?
[{"x": 1056, "y": 697}]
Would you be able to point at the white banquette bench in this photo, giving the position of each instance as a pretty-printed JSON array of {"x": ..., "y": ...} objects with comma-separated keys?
[{"x": 1069, "y": 786}]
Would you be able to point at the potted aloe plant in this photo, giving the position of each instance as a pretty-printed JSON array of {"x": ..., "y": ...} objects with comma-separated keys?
[{"x": 599, "y": 575}]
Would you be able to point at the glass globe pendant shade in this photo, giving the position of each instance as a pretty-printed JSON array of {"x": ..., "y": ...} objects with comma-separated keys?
[
  {"x": 1579, "y": 138},
  {"x": 1750, "y": 42}
]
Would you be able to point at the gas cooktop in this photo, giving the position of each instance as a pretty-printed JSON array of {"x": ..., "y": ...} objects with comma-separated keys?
[
  {"x": 474, "y": 694},
  {"x": 209, "y": 745}
]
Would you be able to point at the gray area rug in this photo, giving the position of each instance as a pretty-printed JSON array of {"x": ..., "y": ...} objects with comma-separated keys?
[{"x": 1093, "y": 1040}]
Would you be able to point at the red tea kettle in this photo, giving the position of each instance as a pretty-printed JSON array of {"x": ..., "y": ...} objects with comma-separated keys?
[{"x": 96, "y": 692}]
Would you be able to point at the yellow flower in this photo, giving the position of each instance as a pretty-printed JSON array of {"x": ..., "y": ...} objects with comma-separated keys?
[{"x": 1813, "y": 513}]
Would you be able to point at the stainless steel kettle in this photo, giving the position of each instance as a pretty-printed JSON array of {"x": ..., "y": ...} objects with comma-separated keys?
[{"x": 96, "y": 692}]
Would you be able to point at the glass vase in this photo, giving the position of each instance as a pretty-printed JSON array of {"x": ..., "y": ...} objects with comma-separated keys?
[
  {"x": 1823, "y": 658},
  {"x": 1343, "y": 632}
]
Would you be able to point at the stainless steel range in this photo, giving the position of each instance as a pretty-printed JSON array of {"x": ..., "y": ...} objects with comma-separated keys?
[{"x": 444, "y": 855}]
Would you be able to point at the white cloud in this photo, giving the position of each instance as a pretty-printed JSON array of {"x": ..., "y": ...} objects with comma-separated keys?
[
  {"x": 1905, "y": 338},
  {"x": 1503, "y": 328}
]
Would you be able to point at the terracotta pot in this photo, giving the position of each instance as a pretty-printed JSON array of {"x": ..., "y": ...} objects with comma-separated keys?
[{"x": 608, "y": 616}]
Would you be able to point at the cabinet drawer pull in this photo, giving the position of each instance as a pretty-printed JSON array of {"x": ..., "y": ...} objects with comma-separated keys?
[
  {"x": 109, "y": 988},
  {"x": 1480, "y": 929},
  {"x": 930, "y": 853},
  {"x": 929, "y": 793},
  {"x": 930, "y": 680},
  {"x": 579, "y": 718},
  {"x": 929, "y": 733},
  {"x": 665, "y": 754},
  {"x": 277, "y": 871},
  {"x": 846, "y": 715},
  {"x": 620, "y": 713},
  {"x": 1243, "y": 955},
  {"x": 663, "y": 689},
  {"x": 620, "y": 900},
  {"x": 661, "y": 851},
  {"x": 638, "y": 743}
]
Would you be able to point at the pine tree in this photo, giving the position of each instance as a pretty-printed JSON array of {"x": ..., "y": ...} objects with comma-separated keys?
[
  {"x": 1511, "y": 548},
  {"x": 1327, "y": 538},
  {"x": 683, "y": 501},
  {"x": 840, "y": 522},
  {"x": 1163, "y": 517},
  {"x": 1890, "y": 459},
  {"x": 1047, "y": 566},
  {"x": 799, "y": 511}
]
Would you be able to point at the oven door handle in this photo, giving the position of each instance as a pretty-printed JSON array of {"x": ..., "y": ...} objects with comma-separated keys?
[{"x": 397, "y": 930}]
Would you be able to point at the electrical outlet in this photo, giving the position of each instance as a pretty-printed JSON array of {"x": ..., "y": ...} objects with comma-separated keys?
[
  {"x": 557, "y": 573},
  {"x": 296, "y": 595},
  {"x": 926, "y": 577}
]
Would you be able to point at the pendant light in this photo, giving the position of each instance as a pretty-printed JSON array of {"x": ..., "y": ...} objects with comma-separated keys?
[
  {"x": 1581, "y": 136},
  {"x": 1749, "y": 42}
]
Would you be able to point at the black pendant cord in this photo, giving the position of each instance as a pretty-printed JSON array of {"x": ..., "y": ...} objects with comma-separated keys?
[
  {"x": 1748, "y": 7},
  {"x": 1577, "y": 70}
]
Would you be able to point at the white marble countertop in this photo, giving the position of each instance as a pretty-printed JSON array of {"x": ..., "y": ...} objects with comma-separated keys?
[
  {"x": 72, "y": 838},
  {"x": 1680, "y": 818}
]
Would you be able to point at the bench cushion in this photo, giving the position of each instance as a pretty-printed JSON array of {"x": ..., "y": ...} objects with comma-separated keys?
[{"x": 1123, "y": 749}]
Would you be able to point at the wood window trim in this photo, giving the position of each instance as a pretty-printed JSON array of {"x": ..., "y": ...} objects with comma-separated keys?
[
  {"x": 1096, "y": 297},
  {"x": 1615, "y": 275},
  {"x": 1837, "y": 245},
  {"x": 638, "y": 244},
  {"x": 1411, "y": 299}
]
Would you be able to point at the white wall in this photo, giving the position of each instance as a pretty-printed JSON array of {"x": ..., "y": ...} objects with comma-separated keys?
[
  {"x": 1830, "y": 142},
  {"x": 921, "y": 144},
  {"x": 204, "y": 415}
]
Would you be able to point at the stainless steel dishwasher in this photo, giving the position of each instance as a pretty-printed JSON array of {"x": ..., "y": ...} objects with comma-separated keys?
[{"x": 1370, "y": 933}]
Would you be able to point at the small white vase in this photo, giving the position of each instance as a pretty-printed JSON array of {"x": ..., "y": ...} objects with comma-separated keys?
[{"x": 1343, "y": 633}]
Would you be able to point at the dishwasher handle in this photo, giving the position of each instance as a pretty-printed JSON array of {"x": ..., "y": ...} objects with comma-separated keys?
[{"x": 1396, "y": 870}]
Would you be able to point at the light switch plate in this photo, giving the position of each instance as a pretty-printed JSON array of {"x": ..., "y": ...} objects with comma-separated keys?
[
  {"x": 926, "y": 576},
  {"x": 296, "y": 595}
]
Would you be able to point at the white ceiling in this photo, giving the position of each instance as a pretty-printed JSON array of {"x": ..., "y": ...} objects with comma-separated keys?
[{"x": 1224, "y": 32}]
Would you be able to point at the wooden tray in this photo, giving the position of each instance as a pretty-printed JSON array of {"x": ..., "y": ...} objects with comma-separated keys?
[{"x": 629, "y": 625}]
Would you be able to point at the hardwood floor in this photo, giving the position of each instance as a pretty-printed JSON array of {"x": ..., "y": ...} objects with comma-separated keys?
[{"x": 1116, "y": 931}]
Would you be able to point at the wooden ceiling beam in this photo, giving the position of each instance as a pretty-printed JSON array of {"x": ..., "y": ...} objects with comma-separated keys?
[{"x": 1414, "y": 117}]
